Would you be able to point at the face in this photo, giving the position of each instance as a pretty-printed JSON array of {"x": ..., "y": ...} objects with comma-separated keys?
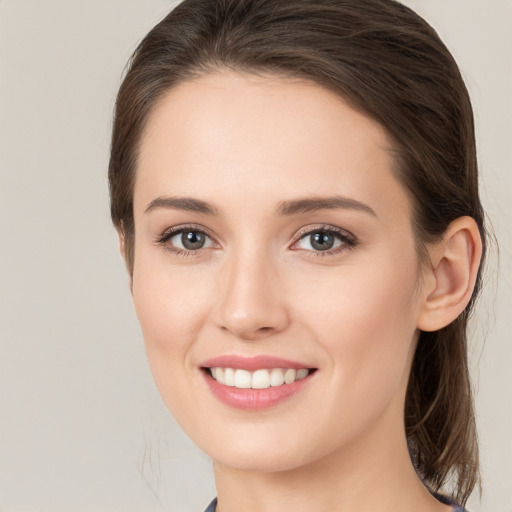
[{"x": 276, "y": 278}]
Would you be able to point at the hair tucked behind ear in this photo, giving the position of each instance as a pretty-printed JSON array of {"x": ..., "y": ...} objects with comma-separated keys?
[{"x": 390, "y": 64}]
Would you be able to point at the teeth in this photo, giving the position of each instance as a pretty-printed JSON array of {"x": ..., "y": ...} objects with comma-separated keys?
[
  {"x": 303, "y": 372},
  {"x": 259, "y": 379},
  {"x": 276, "y": 377},
  {"x": 289, "y": 376},
  {"x": 229, "y": 377},
  {"x": 219, "y": 375},
  {"x": 243, "y": 379}
]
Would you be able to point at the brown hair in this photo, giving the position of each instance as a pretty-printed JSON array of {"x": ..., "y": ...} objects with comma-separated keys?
[{"x": 388, "y": 63}]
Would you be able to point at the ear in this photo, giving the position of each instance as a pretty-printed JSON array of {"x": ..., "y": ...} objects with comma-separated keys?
[
  {"x": 122, "y": 250},
  {"x": 450, "y": 280},
  {"x": 122, "y": 244}
]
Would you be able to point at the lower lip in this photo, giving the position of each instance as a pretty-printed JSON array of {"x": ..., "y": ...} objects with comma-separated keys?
[{"x": 254, "y": 399}]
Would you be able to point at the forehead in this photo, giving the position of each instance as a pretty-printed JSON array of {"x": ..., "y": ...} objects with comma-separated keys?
[{"x": 264, "y": 136}]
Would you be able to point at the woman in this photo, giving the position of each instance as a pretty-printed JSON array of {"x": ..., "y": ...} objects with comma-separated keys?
[{"x": 294, "y": 184}]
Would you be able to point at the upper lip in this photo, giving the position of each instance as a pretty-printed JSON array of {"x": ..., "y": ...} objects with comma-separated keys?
[{"x": 251, "y": 363}]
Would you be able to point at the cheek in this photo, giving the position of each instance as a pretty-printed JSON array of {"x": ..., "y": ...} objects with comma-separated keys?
[
  {"x": 365, "y": 318},
  {"x": 170, "y": 306},
  {"x": 167, "y": 302}
]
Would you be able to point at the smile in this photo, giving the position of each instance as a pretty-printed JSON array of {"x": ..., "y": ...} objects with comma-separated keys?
[
  {"x": 258, "y": 379},
  {"x": 257, "y": 382}
]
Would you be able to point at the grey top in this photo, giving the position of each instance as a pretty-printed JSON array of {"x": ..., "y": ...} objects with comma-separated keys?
[
  {"x": 211, "y": 506},
  {"x": 442, "y": 499}
]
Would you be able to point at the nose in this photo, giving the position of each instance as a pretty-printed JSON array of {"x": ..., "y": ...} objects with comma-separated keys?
[{"x": 252, "y": 303}]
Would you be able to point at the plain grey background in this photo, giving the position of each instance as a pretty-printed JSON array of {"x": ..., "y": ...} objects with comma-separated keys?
[{"x": 81, "y": 425}]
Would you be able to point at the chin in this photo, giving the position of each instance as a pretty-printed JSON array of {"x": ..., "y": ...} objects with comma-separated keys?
[
  {"x": 261, "y": 462},
  {"x": 265, "y": 452}
]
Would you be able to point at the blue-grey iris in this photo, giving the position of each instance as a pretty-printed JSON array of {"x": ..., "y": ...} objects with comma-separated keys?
[
  {"x": 322, "y": 241},
  {"x": 192, "y": 240}
]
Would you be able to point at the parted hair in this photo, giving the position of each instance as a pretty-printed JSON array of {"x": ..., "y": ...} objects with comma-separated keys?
[{"x": 388, "y": 63}]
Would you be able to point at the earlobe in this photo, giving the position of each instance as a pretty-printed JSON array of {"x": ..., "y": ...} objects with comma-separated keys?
[
  {"x": 455, "y": 262},
  {"x": 122, "y": 244},
  {"x": 122, "y": 250}
]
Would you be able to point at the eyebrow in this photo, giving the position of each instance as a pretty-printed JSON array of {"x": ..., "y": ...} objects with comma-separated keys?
[
  {"x": 285, "y": 208},
  {"x": 188, "y": 204},
  {"x": 312, "y": 204}
]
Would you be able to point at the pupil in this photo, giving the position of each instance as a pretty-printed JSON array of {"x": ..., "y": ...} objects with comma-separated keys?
[
  {"x": 192, "y": 240},
  {"x": 322, "y": 241}
]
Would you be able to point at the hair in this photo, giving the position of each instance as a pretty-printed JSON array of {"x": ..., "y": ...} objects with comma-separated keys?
[{"x": 388, "y": 63}]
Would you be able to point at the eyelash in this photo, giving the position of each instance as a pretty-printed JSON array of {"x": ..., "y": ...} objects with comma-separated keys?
[
  {"x": 348, "y": 240},
  {"x": 169, "y": 233}
]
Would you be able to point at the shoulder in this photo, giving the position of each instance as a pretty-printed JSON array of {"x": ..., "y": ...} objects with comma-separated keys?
[
  {"x": 443, "y": 499},
  {"x": 213, "y": 504},
  {"x": 449, "y": 501}
]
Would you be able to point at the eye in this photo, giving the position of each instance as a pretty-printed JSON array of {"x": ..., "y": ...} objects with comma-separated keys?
[
  {"x": 324, "y": 240},
  {"x": 185, "y": 240},
  {"x": 190, "y": 240}
]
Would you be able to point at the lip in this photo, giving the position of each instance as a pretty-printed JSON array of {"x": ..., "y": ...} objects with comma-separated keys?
[
  {"x": 253, "y": 399},
  {"x": 252, "y": 363}
]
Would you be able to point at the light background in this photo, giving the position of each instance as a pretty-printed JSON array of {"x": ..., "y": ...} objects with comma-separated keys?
[{"x": 81, "y": 425}]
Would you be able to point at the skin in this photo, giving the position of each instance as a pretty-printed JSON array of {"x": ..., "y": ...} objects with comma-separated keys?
[{"x": 244, "y": 144}]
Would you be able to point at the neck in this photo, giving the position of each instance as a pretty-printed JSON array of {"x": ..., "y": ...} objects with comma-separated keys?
[{"x": 372, "y": 473}]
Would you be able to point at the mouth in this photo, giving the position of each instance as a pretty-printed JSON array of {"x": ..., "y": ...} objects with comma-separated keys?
[
  {"x": 256, "y": 382},
  {"x": 263, "y": 378}
]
